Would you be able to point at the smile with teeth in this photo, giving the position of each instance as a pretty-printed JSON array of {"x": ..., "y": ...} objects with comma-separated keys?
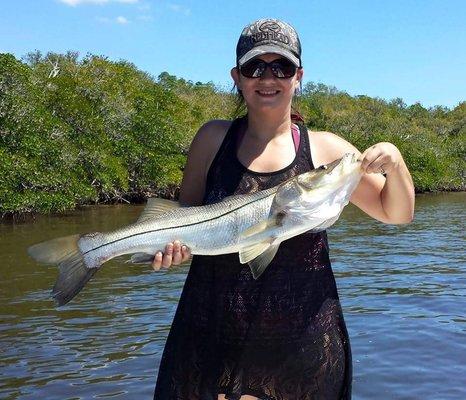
[{"x": 267, "y": 92}]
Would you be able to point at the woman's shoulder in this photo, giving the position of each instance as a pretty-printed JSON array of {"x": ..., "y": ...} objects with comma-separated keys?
[
  {"x": 216, "y": 124},
  {"x": 213, "y": 130},
  {"x": 327, "y": 146},
  {"x": 210, "y": 136},
  {"x": 202, "y": 151}
]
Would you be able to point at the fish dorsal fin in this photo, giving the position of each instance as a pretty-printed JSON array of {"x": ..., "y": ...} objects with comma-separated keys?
[
  {"x": 156, "y": 207},
  {"x": 259, "y": 256}
]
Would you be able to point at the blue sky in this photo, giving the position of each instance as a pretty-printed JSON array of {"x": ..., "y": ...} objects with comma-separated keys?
[{"x": 413, "y": 49}]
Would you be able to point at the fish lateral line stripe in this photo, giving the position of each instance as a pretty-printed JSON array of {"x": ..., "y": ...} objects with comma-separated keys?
[{"x": 175, "y": 227}]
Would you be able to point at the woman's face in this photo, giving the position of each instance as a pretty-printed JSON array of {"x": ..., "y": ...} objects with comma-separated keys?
[{"x": 267, "y": 91}]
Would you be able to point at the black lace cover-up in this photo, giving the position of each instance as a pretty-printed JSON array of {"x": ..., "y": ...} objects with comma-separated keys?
[{"x": 280, "y": 337}]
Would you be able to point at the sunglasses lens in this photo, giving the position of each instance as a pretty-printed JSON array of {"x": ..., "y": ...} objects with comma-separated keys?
[
  {"x": 253, "y": 68},
  {"x": 281, "y": 68}
]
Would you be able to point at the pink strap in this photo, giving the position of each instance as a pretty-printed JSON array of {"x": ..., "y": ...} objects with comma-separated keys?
[{"x": 296, "y": 137}]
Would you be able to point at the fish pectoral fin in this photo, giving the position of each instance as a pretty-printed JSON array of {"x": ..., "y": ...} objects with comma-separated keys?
[
  {"x": 141, "y": 258},
  {"x": 156, "y": 207},
  {"x": 270, "y": 223},
  {"x": 258, "y": 256},
  {"x": 254, "y": 229}
]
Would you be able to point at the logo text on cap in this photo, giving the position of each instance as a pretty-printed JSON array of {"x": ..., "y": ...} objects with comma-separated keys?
[
  {"x": 269, "y": 26},
  {"x": 270, "y": 31}
]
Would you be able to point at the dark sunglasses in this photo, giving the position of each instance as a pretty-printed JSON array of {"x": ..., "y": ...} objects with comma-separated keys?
[{"x": 281, "y": 68}]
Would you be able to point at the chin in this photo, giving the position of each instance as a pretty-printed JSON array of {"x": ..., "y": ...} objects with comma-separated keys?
[{"x": 268, "y": 105}]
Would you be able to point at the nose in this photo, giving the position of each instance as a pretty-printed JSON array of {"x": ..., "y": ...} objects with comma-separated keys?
[{"x": 267, "y": 73}]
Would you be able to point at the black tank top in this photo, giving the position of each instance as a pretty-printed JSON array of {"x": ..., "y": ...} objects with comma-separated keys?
[{"x": 280, "y": 337}]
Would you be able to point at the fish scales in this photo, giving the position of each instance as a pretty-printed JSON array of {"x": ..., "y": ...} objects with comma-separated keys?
[{"x": 213, "y": 231}]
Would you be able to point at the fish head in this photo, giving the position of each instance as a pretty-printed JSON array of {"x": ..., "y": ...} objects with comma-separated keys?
[
  {"x": 318, "y": 195},
  {"x": 330, "y": 174}
]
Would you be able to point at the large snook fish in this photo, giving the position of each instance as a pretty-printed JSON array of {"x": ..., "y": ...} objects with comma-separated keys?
[{"x": 253, "y": 225}]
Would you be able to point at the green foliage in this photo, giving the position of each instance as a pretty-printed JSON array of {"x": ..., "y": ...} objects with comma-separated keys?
[
  {"x": 38, "y": 167},
  {"x": 77, "y": 131},
  {"x": 432, "y": 141}
]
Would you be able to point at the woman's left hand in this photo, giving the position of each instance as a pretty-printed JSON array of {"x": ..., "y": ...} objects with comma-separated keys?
[{"x": 382, "y": 158}]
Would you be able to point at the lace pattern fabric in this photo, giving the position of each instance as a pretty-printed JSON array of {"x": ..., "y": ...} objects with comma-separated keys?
[{"x": 280, "y": 337}]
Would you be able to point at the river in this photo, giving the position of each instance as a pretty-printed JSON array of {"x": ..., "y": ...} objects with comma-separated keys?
[{"x": 402, "y": 288}]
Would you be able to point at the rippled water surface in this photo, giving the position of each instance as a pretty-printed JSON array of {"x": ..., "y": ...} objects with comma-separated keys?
[{"x": 402, "y": 288}]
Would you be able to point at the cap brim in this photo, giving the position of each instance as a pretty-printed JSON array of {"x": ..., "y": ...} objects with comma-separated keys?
[{"x": 265, "y": 49}]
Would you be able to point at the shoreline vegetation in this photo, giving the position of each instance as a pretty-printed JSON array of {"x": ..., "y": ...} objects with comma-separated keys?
[{"x": 93, "y": 131}]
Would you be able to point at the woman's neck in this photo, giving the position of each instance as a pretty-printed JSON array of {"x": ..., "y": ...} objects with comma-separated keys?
[{"x": 266, "y": 126}]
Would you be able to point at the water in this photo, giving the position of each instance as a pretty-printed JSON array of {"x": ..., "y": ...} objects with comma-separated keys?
[{"x": 402, "y": 288}]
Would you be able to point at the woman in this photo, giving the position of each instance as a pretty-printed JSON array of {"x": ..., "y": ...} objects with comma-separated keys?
[{"x": 282, "y": 336}]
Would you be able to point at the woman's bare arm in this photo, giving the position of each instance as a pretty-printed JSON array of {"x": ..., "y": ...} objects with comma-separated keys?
[{"x": 388, "y": 199}]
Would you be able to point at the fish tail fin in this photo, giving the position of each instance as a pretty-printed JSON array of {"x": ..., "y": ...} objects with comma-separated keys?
[{"x": 73, "y": 271}]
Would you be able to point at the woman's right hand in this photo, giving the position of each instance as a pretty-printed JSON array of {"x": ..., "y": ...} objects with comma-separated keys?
[{"x": 174, "y": 254}]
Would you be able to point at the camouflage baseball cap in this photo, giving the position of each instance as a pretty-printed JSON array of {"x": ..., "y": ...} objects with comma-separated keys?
[{"x": 268, "y": 36}]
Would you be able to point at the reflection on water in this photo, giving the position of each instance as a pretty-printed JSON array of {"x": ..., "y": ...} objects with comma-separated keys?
[{"x": 403, "y": 290}]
